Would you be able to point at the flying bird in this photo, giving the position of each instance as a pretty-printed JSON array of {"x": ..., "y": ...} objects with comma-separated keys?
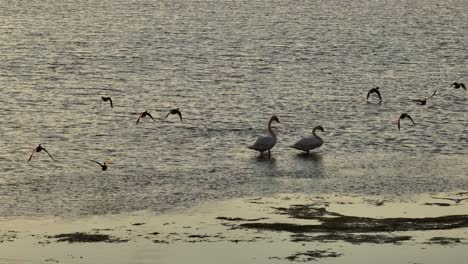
[
  {"x": 424, "y": 101},
  {"x": 376, "y": 91},
  {"x": 103, "y": 165},
  {"x": 266, "y": 143},
  {"x": 39, "y": 149},
  {"x": 403, "y": 116},
  {"x": 457, "y": 200},
  {"x": 174, "y": 112},
  {"x": 458, "y": 85},
  {"x": 309, "y": 143},
  {"x": 105, "y": 99},
  {"x": 143, "y": 115}
]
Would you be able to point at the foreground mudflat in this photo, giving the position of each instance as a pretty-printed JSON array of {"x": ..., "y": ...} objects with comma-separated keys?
[{"x": 279, "y": 229}]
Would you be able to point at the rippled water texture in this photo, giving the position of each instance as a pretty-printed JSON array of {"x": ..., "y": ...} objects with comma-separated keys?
[{"x": 228, "y": 65}]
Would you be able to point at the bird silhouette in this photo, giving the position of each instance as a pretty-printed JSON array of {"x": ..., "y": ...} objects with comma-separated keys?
[
  {"x": 424, "y": 101},
  {"x": 376, "y": 91},
  {"x": 457, "y": 200},
  {"x": 39, "y": 149},
  {"x": 308, "y": 143},
  {"x": 143, "y": 115},
  {"x": 403, "y": 116},
  {"x": 103, "y": 165},
  {"x": 266, "y": 143},
  {"x": 105, "y": 99},
  {"x": 174, "y": 112},
  {"x": 458, "y": 85}
]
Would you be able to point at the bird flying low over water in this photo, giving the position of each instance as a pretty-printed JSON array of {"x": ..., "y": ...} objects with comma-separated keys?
[
  {"x": 457, "y": 200},
  {"x": 458, "y": 85},
  {"x": 143, "y": 115},
  {"x": 266, "y": 143},
  {"x": 403, "y": 116},
  {"x": 39, "y": 149},
  {"x": 174, "y": 112},
  {"x": 105, "y": 99},
  {"x": 376, "y": 91},
  {"x": 103, "y": 165},
  {"x": 309, "y": 143},
  {"x": 424, "y": 101}
]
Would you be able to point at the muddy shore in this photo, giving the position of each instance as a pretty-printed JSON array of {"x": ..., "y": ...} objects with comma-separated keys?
[{"x": 280, "y": 229}]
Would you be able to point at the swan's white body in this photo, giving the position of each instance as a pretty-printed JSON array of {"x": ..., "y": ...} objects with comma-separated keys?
[
  {"x": 266, "y": 143},
  {"x": 309, "y": 143}
]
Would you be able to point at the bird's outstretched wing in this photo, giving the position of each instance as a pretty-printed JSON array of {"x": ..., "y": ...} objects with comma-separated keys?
[
  {"x": 30, "y": 157},
  {"x": 411, "y": 119},
  {"x": 399, "y": 123},
  {"x": 110, "y": 100},
  {"x": 96, "y": 162},
  {"x": 369, "y": 93},
  {"x": 180, "y": 115},
  {"x": 417, "y": 100},
  {"x": 48, "y": 153},
  {"x": 151, "y": 117},
  {"x": 378, "y": 94},
  {"x": 435, "y": 92},
  {"x": 167, "y": 114},
  {"x": 138, "y": 120},
  {"x": 463, "y": 86}
]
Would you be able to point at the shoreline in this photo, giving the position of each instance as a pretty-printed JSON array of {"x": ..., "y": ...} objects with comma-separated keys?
[{"x": 279, "y": 229}]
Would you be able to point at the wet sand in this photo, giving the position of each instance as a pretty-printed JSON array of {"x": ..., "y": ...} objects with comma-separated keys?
[{"x": 280, "y": 229}]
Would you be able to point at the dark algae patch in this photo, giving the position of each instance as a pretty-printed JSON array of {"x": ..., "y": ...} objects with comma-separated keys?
[
  {"x": 86, "y": 238},
  {"x": 446, "y": 241},
  {"x": 236, "y": 219},
  {"x": 335, "y": 222},
  {"x": 312, "y": 255},
  {"x": 351, "y": 238}
]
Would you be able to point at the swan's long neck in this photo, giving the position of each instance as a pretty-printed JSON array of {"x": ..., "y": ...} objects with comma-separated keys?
[
  {"x": 269, "y": 129},
  {"x": 313, "y": 133}
]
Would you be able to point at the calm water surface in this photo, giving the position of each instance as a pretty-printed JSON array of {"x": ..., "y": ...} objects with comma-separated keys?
[{"x": 228, "y": 65}]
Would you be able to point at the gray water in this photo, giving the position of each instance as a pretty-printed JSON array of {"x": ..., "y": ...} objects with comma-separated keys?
[{"x": 228, "y": 65}]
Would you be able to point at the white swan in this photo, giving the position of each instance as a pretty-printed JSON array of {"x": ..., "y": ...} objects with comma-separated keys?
[
  {"x": 308, "y": 143},
  {"x": 268, "y": 142}
]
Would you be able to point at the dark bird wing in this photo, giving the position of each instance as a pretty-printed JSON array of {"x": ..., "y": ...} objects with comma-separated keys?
[
  {"x": 378, "y": 94},
  {"x": 110, "y": 100},
  {"x": 180, "y": 115},
  {"x": 435, "y": 92},
  {"x": 151, "y": 117},
  {"x": 96, "y": 162},
  {"x": 167, "y": 114},
  {"x": 399, "y": 123},
  {"x": 463, "y": 85},
  {"x": 417, "y": 100},
  {"x": 138, "y": 120},
  {"x": 30, "y": 157},
  {"x": 411, "y": 119},
  {"x": 369, "y": 93},
  {"x": 47, "y": 153}
]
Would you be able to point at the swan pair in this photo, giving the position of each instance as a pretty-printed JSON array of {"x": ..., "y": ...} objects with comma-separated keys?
[{"x": 266, "y": 143}]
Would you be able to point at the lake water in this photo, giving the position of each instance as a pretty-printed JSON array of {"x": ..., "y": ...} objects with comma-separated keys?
[{"x": 228, "y": 66}]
